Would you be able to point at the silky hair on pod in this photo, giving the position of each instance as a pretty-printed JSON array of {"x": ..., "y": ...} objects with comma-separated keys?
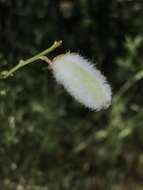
[{"x": 82, "y": 80}]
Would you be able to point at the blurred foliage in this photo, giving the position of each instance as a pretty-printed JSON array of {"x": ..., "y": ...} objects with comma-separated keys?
[{"x": 47, "y": 140}]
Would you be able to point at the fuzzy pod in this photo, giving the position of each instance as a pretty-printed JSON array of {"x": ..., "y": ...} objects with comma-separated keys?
[{"x": 82, "y": 80}]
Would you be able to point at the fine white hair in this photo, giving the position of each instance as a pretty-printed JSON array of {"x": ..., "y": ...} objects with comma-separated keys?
[{"x": 82, "y": 80}]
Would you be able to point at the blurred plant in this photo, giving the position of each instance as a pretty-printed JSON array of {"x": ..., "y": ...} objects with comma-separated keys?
[{"x": 47, "y": 141}]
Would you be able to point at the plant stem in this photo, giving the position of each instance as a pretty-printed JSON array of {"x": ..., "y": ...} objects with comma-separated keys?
[
  {"x": 23, "y": 63},
  {"x": 138, "y": 76}
]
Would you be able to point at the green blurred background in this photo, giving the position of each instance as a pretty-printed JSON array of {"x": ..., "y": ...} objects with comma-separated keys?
[{"x": 48, "y": 141}]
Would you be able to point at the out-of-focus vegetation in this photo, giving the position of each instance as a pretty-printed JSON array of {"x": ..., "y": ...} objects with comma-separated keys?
[{"x": 47, "y": 140}]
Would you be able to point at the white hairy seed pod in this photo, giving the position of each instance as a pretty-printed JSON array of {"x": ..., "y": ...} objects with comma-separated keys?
[{"x": 82, "y": 80}]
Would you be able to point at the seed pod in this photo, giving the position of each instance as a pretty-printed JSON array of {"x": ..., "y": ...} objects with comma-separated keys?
[{"x": 82, "y": 80}]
